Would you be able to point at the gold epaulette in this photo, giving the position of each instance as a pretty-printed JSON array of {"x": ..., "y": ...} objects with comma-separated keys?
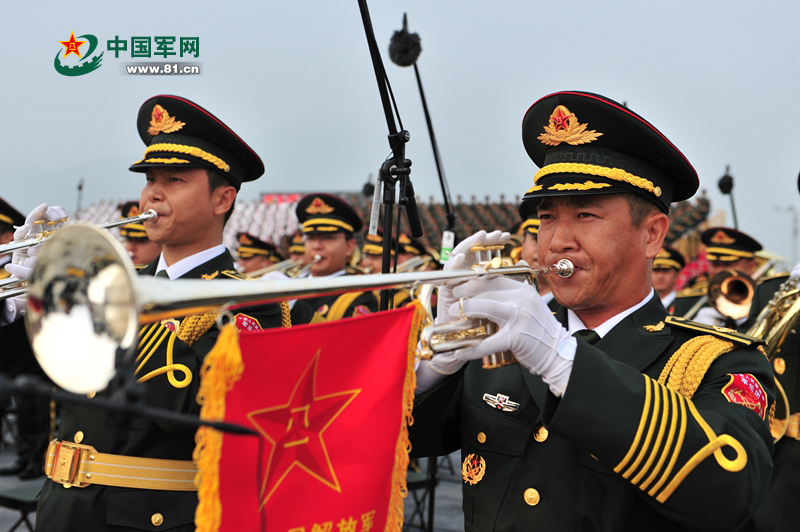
[
  {"x": 720, "y": 332},
  {"x": 692, "y": 292},
  {"x": 772, "y": 277},
  {"x": 233, "y": 274}
]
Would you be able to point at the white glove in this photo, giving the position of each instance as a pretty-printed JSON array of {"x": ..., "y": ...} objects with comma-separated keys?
[
  {"x": 23, "y": 260},
  {"x": 13, "y": 309},
  {"x": 527, "y": 328},
  {"x": 796, "y": 271},
  {"x": 460, "y": 259}
]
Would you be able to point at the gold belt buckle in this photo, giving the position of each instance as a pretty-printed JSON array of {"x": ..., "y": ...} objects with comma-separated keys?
[{"x": 66, "y": 465}]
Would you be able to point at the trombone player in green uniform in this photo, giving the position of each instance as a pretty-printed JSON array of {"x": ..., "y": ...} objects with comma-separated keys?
[{"x": 640, "y": 421}]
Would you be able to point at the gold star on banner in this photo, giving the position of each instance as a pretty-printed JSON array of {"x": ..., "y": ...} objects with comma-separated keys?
[
  {"x": 72, "y": 45},
  {"x": 295, "y": 432}
]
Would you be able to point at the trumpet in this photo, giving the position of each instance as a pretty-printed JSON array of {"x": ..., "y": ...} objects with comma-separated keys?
[
  {"x": 84, "y": 285},
  {"x": 42, "y": 234}
]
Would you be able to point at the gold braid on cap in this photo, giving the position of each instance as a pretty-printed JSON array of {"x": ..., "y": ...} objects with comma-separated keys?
[
  {"x": 615, "y": 174},
  {"x": 190, "y": 150}
]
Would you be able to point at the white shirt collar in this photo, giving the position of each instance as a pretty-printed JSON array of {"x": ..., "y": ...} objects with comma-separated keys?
[
  {"x": 548, "y": 297},
  {"x": 185, "y": 265},
  {"x": 575, "y": 323},
  {"x": 669, "y": 298}
]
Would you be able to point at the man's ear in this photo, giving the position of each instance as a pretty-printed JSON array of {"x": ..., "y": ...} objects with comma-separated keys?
[
  {"x": 223, "y": 199},
  {"x": 351, "y": 246},
  {"x": 656, "y": 225}
]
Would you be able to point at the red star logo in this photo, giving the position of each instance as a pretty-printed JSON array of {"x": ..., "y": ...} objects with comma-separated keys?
[
  {"x": 295, "y": 432},
  {"x": 72, "y": 45},
  {"x": 560, "y": 119}
]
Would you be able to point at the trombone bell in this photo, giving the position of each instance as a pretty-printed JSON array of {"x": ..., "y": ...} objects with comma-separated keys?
[{"x": 80, "y": 319}]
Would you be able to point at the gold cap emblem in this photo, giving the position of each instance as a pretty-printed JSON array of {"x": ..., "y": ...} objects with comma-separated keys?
[
  {"x": 161, "y": 122},
  {"x": 564, "y": 127},
  {"x": 720, "y": 237},
  {"x": 133, "y": 211},
  {"x": 318, "y": 206}
]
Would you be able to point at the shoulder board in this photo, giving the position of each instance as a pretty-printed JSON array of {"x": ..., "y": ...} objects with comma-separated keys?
[
  {"x": 719, "y": 332},
  {"x": 233, "y": 274},
  {"x": 692, "y": 292},
  {"x": 772, "y": 277}
]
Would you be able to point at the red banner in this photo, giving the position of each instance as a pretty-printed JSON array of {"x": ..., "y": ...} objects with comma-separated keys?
[{"x": 329, "y": 403}]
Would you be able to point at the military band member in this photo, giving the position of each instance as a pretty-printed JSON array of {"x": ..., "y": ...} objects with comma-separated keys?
[
  {"x": 638, "y": 422},
  {"x": 9, "y": 217},
  {"x": 667, "y": 268},
  {"x": 141, "y": 249},
  {"x": 372, "y": 253},
  {"x": 530, "y": 254},
  {"x": 412, "y": 255},
  {"x": 329, "y": 225},
  {"x": 193, "y": 167},
  {"x": 297, "y": 248},
  {"x": 253, "y": 254},
  {"x": 726, "y": 249}
]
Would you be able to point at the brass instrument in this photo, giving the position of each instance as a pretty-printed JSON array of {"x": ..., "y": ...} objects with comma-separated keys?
[
  {"x": 14, "y": 286},
  {"x": 773, "y": 324},
  {"x": 282, "y": 266},
  {"x": 731, "y": 293},
  {"x": 84, "y": 286},
  {"x": 43, "y": 233}
]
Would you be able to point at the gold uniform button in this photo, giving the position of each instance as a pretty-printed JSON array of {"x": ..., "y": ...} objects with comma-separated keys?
[
  {"x": 157, "y": 519},
  {"x": 780, "y": 365},
  {"x": 481, "y": 437},
  {"x": 541, "y": 434},
  {"x": 91, "y": 395},
  {"x": 79, "y": 436},
  {"x": 532, "y": 497}
]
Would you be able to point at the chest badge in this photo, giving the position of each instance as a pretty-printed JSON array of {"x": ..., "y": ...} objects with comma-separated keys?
[
  {"x": 501, "y": 402},
  {"x": 473, "y": 469}
]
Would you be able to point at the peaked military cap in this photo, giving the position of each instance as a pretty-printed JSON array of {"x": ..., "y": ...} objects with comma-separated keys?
[
  {"x": 373, "y": 244},
  {"x": 134, "y": 230},
  {"x": 667, "y": 258},
  {"x": 586, "y": 144},
  {"x": 724, "y": 244},
  {"x": 251, "y": 246},
  {"x": 531, "y": 225},
  {"x": 327, "y": 213},
  {"x": 296, "y": 244},
  {"x": 181, "y": 134},
  {"x": 411, "y": 245},
  {"x": 9, "y": 215}
]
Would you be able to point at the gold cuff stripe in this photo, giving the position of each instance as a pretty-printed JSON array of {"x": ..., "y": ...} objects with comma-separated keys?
[
  {"x": 189, "y": 150},
  {"x": 615, "y": 174},
  {"x": 642, "y": 422},
  {"x": 645, "y": 449},
  {"x": 733, "y": 252},
  {"x": 312, "y": 225},
  {"x": 666, "y": 263}
]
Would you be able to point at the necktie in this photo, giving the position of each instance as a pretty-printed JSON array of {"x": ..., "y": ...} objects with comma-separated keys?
[
  {"x": 590, "y": 337},
  {"x": 163, "y": 273}
]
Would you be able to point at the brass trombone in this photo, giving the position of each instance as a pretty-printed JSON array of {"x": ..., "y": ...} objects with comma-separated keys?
[
  {"x": 45, "y": 233},
  {"x": 84, "y": 285}
]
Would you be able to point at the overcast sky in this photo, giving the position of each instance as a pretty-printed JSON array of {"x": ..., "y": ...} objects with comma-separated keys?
[{"x": 720, "y": 79}]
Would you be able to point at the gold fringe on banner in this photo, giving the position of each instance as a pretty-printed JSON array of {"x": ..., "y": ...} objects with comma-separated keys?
[
  {"x": 394, "y": 519},
  {"x": 222, "y": 367}
]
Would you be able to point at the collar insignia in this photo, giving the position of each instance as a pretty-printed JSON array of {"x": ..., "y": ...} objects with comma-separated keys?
[
  {"x": 210, "y": 275},
  {"x": 161, "y": 122},
  {"x": 473, "y": 469},
  {"x": 318, "y": 206},
  {"x": 721, "y": 238},
  {"x": 654, "y": 328},
  {"x": 564, "y": 127},
  {"x": 501, "y": 402}
]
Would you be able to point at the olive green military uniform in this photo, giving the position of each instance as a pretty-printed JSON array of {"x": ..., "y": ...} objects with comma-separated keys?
[
  {"x": 780, "y": 510},
  {"x": 685, "y": 300},
  {"x": 100, "y": 508},
  {"x": 619, "y": 451}
]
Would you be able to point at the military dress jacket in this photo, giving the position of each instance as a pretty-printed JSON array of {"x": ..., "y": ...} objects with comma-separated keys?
[
  {"x": 169, "y": 368},
  {"x": 780, "y": 509},
  {"x": 332, "y": 307},
  {"x": 619, "y": 450},
  {"x": 685, "y": 300}
]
